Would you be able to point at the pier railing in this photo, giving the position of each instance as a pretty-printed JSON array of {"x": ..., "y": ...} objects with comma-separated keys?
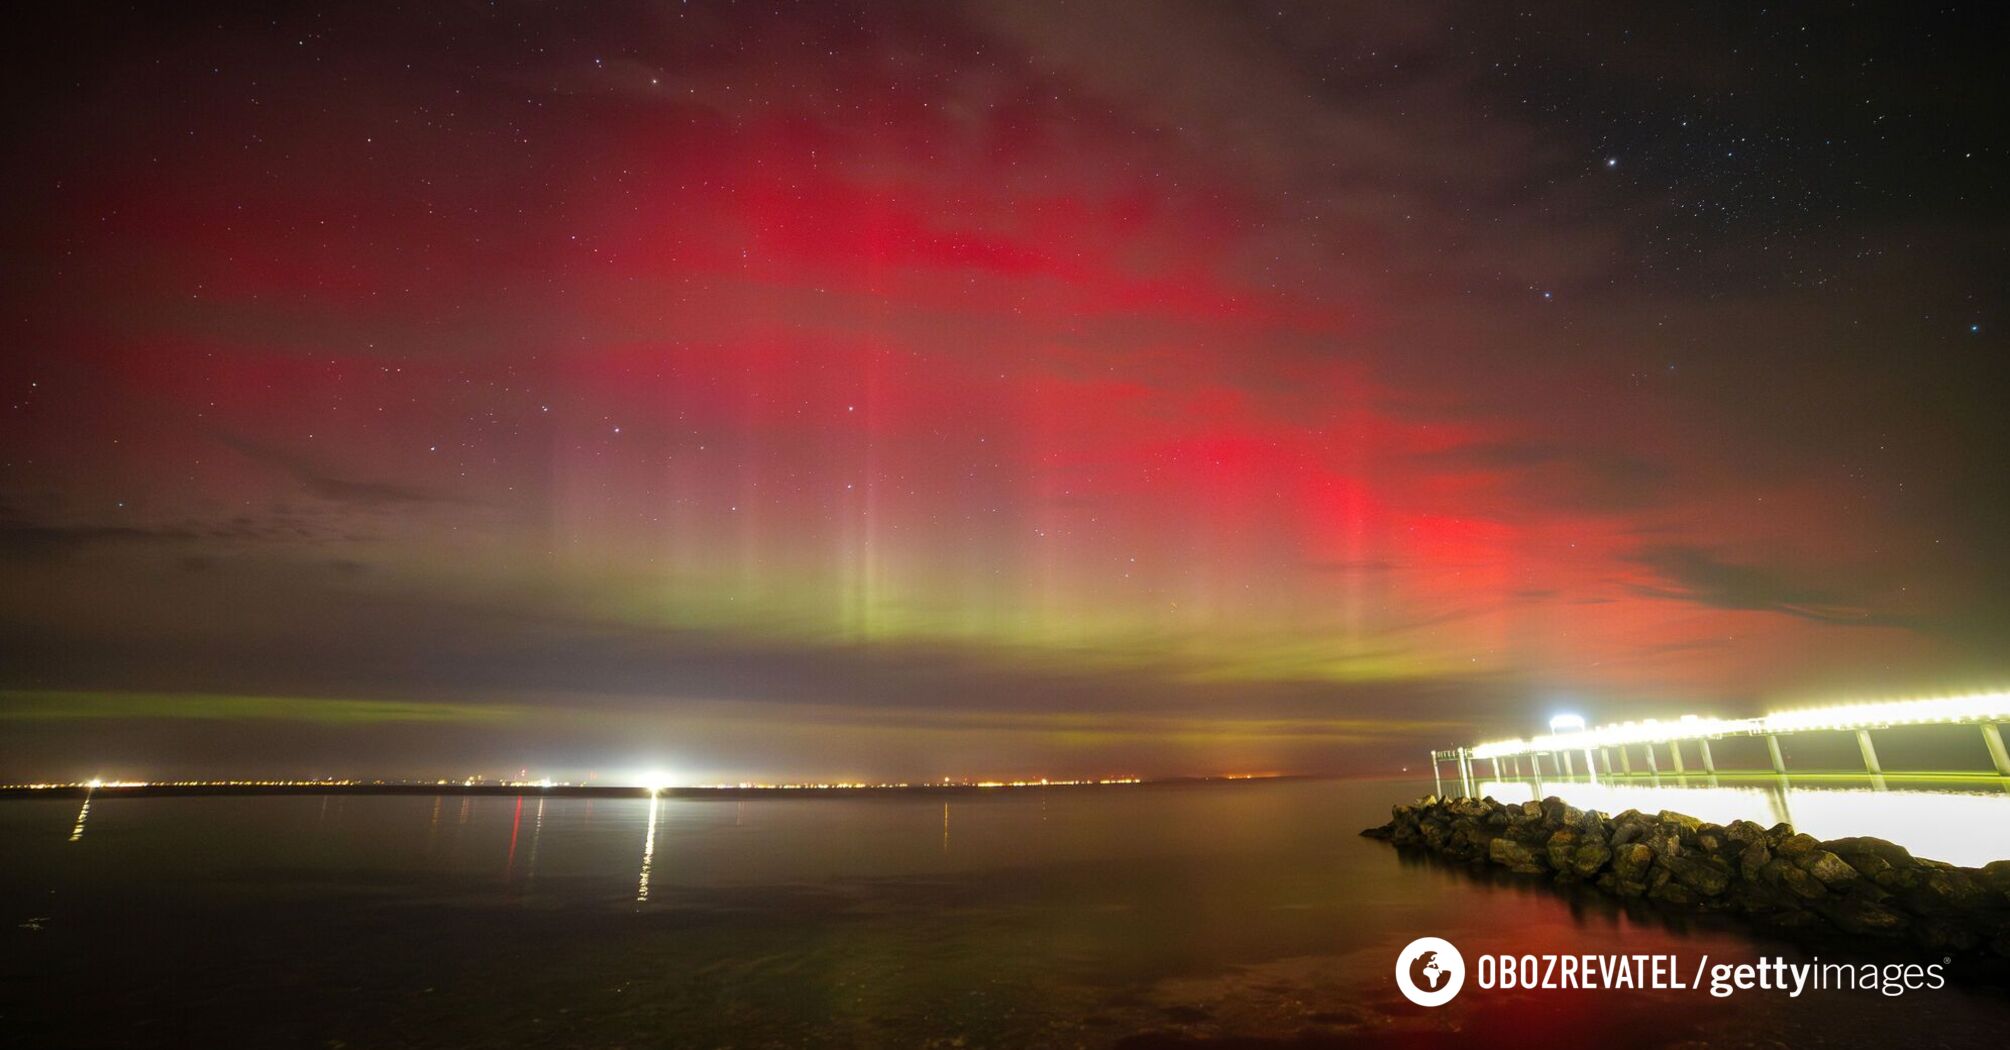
[{"x": 1596, "y": 745}]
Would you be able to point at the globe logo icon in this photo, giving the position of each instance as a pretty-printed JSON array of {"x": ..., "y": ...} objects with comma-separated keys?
[
  {"x": 1430, "y": 971},
  {"x": 1426, "y": 971}
]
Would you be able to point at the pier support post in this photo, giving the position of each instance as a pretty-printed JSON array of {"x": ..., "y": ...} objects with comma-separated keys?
[
  {"x": 1869, "y": 752},
  {"x": 1568, "y": 767},
  {"x": 1606, "y": 754},
  {"x": 1993, "y": 737},
  {"x": 1709, "y": 764},
  {"x": 1437, "y": 775},
  {"x": 1675, "y": 751},
  {"x": 1653, "y": 767},
  {"x": 1773, "y": 749},
  {"x": 1625, "y": 760}
]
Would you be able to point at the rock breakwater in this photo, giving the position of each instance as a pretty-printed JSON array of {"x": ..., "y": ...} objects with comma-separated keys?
[{"x": 1860, "y": 886}]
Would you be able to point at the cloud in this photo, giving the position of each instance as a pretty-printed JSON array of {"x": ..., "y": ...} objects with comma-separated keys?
[
  {"x": 59, "y": 706},
  {"x": 1696, "y": 575},
  {"x": 331, "y": 485},
  {"x": 1550, "y": 475}
]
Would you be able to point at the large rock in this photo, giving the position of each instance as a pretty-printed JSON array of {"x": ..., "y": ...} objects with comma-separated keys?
[
  {"x": 1514, "y": 856},
  {"x": 1782, "y": 872},
  {"x": 1862, "y": 886},
  {"x": 1706, "y": 875},
  {"x": 1561, "y": 847},
  {"x": 1744, "y": 832},
  {"x": 1948, "y": 892},
  {"x": 1589, "y": 858},
  {"x": 1665, "y": 840},
  {"x": 1996, "y": 876},
  {"x": 1859, "y": 915},
  {"x": 1681, "y": 820},
  {"x": 1795, "y": 845},
  {"x": 1630, "y": 861},
  {"x": 1753, "y": 859},
  {"x": 1556, "y": 812},
  {"x": 1829, "y": 868}
]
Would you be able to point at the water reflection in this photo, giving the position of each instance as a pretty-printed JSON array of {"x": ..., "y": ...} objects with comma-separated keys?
[
  {"x": 536, "y": 833},
  {"x": 648, "y": 851},
  {"x": 1079, "y": 917},
  {"x": 1969, "y": 828},
  {"x": 82, "y": 815}
]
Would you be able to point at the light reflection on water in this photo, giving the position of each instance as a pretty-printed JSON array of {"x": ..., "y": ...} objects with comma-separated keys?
[
  {"x": 1969, "y": 828},
  {"x": 83, "y": 815},
  {"x": 1061, "y": 918},
  {"x": 648, "y": 850}
]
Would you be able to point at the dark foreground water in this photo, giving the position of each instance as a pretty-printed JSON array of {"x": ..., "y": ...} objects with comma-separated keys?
[{"x": 1248, "y": 913}]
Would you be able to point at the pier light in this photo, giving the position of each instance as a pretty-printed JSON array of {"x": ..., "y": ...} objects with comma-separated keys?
[
  {"x": 1978, "y": 707},
  {"x": 1569, "y": 733},
  {"x": 655, "y": 781}
]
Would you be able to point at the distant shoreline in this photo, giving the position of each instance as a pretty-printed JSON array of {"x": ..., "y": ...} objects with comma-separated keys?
[{"x": 720, "y": 793}]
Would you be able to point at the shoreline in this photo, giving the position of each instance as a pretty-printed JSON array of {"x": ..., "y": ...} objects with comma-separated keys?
[
  {"x": 1778, "y": 877},
  {"x": 722, "y": 792}
]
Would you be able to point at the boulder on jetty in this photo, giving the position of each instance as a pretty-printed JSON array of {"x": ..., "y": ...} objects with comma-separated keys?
[{"x": 1860, "y": 886}]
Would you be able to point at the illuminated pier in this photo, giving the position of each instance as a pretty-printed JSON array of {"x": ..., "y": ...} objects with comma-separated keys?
[{"x": 1557, "y": 753}]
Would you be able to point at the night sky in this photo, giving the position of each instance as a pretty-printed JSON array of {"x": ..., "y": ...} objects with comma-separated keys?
[{"x": 1010, "y": 388}]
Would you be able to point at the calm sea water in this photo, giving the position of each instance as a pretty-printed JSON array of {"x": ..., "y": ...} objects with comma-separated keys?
[{"x": 1249, "y": 912}]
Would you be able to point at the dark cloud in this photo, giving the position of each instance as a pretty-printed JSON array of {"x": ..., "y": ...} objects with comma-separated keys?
[
  {"x": 317, "y": 478},
  {"x": 1697, "y": 575}
]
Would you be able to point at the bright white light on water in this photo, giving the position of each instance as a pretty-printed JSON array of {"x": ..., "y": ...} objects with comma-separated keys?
[{"x": 1968, "y": 828}]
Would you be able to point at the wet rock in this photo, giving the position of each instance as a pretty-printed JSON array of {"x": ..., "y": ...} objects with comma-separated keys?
[
  {"x": 1556, "y": 812},
  {"x": 1514, "y": 856},
  {"x": 1996, "y": 876},
  {"x": 1795, "y": 845},
  {"x": 1589, "y": 858},
  {"x": 1861, "y": 886},
  {"x": 1744, "y": 832},
  {"x": 1947, "y": 935},
  {"x": 1630, "y": 862},
  {"x": 1706, "y": 875},
  {"x": 1948, "y": 892},
  {"x": 1665, "y": 841},
  {"x": 1561, "y": 848},
  {"x": 1754, "y": 858},
  {"x": 1833, "y": 872},
  {"x": 1850, "y": 849},
  {"x": 1680, "y": 820},
  {"x": 1672, "y": 892},
  {"x": 1858, "y": 915}
]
